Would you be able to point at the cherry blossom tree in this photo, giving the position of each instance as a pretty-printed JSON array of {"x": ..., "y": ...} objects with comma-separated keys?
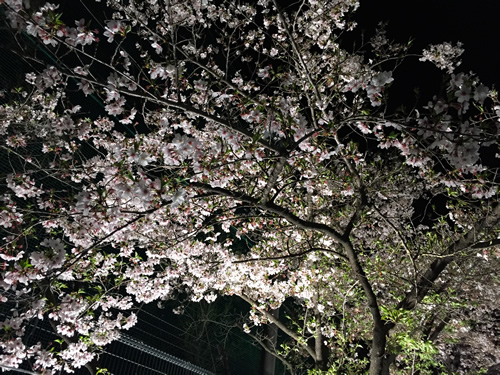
[{"x": 241, "y": 151}]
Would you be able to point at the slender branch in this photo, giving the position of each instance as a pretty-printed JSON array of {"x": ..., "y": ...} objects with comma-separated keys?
[
  {"x": 112, "y": 233},
  {"x": 361, "y": 201},
  {"x": 273, "y": 178},
  {"x": 486, "y": 244},
  {"x": 426, "y": 281},
  {"x": 296, "y": 49},
  {"x": 288, "y": 256},
  {"x": 272, "y": 207},
  {"x": 226, "y": 82},
  {"x": 152, "y": 98},
  {"x": 408, "y": 252},
  {"x": 281, "y": 326}
]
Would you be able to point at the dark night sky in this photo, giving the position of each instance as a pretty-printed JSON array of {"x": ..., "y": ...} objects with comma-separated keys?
[{"x": 475, "y": 23}]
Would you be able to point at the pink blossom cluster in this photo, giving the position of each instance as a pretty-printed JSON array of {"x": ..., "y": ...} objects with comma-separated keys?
[{"x": 211, "y": 173}]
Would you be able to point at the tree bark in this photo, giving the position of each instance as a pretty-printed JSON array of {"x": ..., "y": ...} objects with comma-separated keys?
[{"x": 269, "y": 360}]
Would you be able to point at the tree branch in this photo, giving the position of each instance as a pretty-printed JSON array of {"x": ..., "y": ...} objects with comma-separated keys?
[
  {"x": 281, "y": 326},
  {"x": 292, "y": 255},
  {"x": 426, "y": 281},
  {"x": 379, "y": 333}
]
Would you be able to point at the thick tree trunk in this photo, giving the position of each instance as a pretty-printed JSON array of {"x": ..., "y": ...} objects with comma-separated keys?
[
  {"x": 318, "y": 348},
  {"x": 225, "y": 360},
  {"x": 269, "y": 360},
  {"x": 377, "y": 354}
]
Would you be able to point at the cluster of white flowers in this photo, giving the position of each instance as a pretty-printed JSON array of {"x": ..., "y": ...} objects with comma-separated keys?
[
  {"x": 51, "y": 258},
  {"x": 77, "y": 354},
  {"x": 23, "y": 186},
  {"x": 256, "y": 151},
  {"x": 444, "y": 56},
  {"x": 113, "y": 27}
]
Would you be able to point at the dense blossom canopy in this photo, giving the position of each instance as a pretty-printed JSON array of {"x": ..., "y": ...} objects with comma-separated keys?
[{"x": 241, "y": 151}]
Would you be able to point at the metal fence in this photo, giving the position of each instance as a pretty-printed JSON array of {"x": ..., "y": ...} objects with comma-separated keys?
[{"x": 126, "y": 356}]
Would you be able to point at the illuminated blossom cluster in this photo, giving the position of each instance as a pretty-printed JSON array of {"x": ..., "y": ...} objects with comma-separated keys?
[
  {"x": 212, "y": 170},
  {"x": 444, "y": 56}
]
